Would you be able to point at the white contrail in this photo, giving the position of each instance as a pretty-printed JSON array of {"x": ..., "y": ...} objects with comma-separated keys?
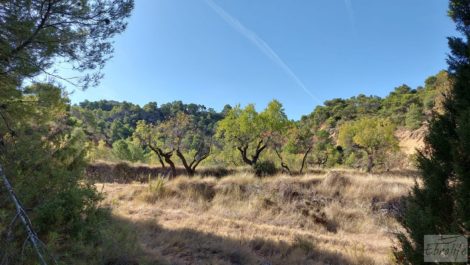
[
  {"x": 261, "y": 45},
  {"x": 350, "y": 9}
]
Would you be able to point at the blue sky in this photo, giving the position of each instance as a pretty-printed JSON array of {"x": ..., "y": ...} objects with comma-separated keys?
[{"x": 217, "y": 52}]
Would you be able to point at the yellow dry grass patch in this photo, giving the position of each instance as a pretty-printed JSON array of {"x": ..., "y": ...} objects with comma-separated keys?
[{"x": 331, "y": 218}]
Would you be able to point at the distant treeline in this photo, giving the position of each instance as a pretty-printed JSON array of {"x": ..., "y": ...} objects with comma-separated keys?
[{"x": 111, "y": 128}]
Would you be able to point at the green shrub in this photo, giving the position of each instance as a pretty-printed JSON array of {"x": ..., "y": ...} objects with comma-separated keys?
[
  {"x": 414, "y": 117},
  {"x": 128, "y": 150},
  {"x": 217, "y": 171},
  {"x": 265, "y": 168},
  {"x": 157, "y": 187}
]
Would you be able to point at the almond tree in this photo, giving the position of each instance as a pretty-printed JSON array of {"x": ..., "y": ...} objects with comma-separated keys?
[
  {"x": 241, "y": 129},
  {"x": 149, "y": 136},
  {"x": 190, "y": 143},
  {"x": 374, "y": 136},
  {"x": 251, "y": 132}
]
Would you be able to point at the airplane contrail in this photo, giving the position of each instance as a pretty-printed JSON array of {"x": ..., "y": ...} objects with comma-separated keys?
[
  {"x": 261, "y": 45},
  {"x": 350, "y": 9}
]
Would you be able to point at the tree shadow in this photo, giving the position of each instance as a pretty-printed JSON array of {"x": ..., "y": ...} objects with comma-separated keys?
[{"x": 160, "y": 245}]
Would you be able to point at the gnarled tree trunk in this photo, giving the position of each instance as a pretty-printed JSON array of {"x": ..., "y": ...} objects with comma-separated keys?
[
  {"x": 167, "y": 156},
  {"x": 283, "y": 164},
  {"x": 304, "y": 159},
  {"x": 254, "y": 159},
  {"x": 191, "y": 167}
]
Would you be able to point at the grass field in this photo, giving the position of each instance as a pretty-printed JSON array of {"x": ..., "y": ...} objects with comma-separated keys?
[{"x": 336, "y": 217}]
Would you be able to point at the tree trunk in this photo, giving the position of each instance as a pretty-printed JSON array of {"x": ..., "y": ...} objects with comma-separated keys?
[
  {"x": 257, "y": 154},
  {"x": 191, "y": 167},
  {"x": 283, "y": 165},
  {"x": 259, "y": 148},
  {"x": 161, "y": 160},
  {"x": 167, "y": 156},
  {"x": 159, "y": 153},
  {"x": 172, "y": 165},
  {"x": 304, "y": 159},
  {"x": 195, "y": 162},
  {"x": 188, "y": 168},
  {"x": 243, "y": 151},
  {"x": 244, "y": 156},
  {"x": 370, "y": 162}
]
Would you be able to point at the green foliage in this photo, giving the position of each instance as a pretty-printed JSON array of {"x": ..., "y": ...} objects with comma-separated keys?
[
  {"x": 156, "y": 189},
  {"x": 30, "y": 30},
  {"x": 251, "y": 132},
  {"x": 112, "y": 121},
  {"x": 323, "y": 152},
  {"x": 42, "y": 148},
  {"x": 181, "y": 135},
  {"x": 414, "y": 117},
  {"x": 440, "y": 206},
  {"x": 374, "y": 136},
  {"x": 128, "y": 150},
  {"x": 265, "y": 168},
  {"x": 43, "y": 155},
  {"x": 99, "y": 151},
  {"x": 240, "y": 126},
  {"x": 396, "y": 104},
  {"x": 351, "y": 160}
]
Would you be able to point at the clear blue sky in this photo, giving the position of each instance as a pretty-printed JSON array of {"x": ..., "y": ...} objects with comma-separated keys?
[{"x": 217, "y": 52}]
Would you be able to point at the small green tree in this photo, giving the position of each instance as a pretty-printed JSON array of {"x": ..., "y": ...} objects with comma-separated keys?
[
  {"x": 181, "y": 134},
  {"x": 149, "y": 136},
  {"x": 275, "y": 126},
  {"x": 323, "y": 152},
  {"x": 300, "y": 141},
  {"x": 251, "y": 132},
  {"x": 240, "y": 129},
  {"x": 374, "y": 136}
]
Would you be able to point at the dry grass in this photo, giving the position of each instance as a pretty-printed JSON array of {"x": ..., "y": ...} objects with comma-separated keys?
[{"x": 330, "y": 218}]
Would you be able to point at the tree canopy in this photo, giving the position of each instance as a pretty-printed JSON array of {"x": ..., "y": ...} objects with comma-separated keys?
[
  {"x": 36, "y": 34},
  {"x": 371, "y": 135}
]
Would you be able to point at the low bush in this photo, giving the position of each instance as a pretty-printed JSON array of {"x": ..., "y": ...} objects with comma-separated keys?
[
  {"x": 265, "y": 168},
  {"x": 156, "y": 189}
]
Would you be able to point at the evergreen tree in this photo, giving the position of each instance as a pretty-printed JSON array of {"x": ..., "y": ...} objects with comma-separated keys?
[{"x": 441, "y": 205}]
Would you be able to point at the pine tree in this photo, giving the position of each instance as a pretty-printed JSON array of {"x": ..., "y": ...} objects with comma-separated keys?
[{"x": 441, "y": 205}]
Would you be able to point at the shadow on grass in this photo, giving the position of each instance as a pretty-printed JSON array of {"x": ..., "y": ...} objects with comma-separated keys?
[
  {"x": 123, "y": 172},
  {"x": 158, "y": 245}
]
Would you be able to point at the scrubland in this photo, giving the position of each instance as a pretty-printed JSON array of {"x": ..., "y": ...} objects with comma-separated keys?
[{"x": 334, "y": 217}]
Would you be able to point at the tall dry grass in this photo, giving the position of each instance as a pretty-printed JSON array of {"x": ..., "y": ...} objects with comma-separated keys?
[{"x": 340, "y": 217}]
